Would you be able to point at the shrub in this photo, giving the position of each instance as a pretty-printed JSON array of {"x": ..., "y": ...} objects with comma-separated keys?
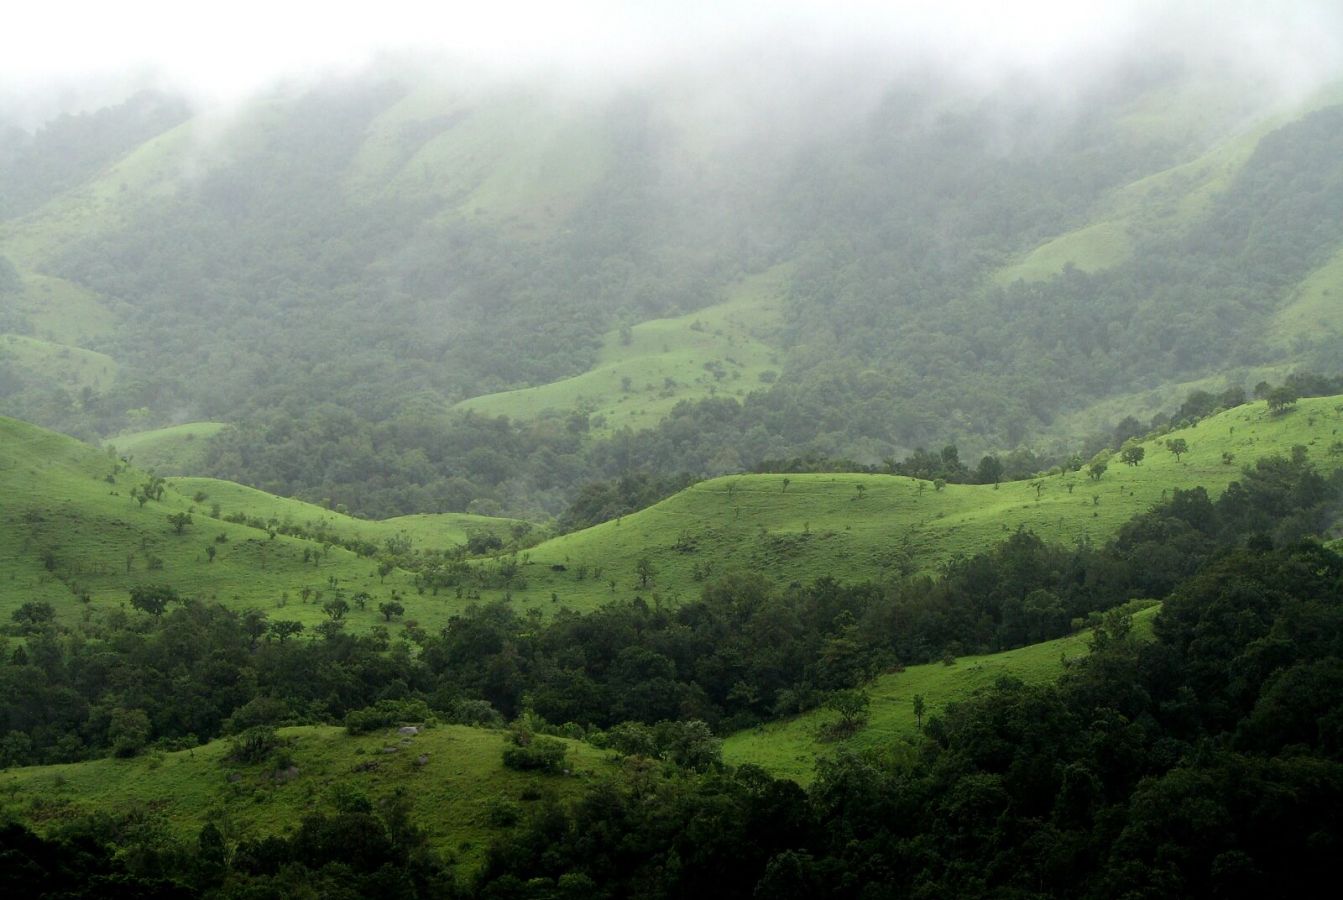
[
  {"x": 386, "y": 713},
  {"x": 531, "y": 752}
]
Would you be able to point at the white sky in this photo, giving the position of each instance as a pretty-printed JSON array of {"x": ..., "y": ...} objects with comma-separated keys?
[{"x": 227, "y": 49}]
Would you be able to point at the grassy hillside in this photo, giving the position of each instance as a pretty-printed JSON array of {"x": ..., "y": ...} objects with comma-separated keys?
[
  {"x": 790, "y": 748},
  {"x": 71, "y": 367},
  {"x": 453, "y": 775},
  {"x": 71, "y": 534},
  {"x": 722, "y": 350},
  {"x": 428, "y": 531},
  {"x": 175, "y": 450},
  {"x": 869, "y": 526}
]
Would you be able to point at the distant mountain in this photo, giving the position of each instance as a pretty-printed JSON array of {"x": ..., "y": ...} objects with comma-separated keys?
[{"x": 356, "y": 274}]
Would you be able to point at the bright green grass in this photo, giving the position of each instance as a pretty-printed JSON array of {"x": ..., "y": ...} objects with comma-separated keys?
[
  {"x": 790, "y": 748},
  {"x": 1314, "y": 313},
  {"x": 426, "y": 531},
  {"x": 66, "y": 532},
  {"x": 175, "y": 450},
  {"x": 451, "y": 792},
  {"x": 71, "y": 367},
  {"x": 821, "y": 525},
  {"x": 635, "y": 385}
]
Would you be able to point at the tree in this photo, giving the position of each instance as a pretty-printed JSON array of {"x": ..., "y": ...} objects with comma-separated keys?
[
  {"x": 990, "y": 470},
  {"x": 33, "y": 615},
  {"x": 1132, "y": 454},
  {"x": 336, "y": 609},
  {"x": 390, "y": 609},
  {"x": 1178, "y": 446},
  {"x": 153, "y": 599},
  {"x": 1281, "y": 399},
  {"x": 1096, "y": 469},
  {"x": 283, "y": 629},
  {"x": 644, "y": 569},
  {"x": 128, "y": 731},
  {"x": 211, "y": 551},
  {"x": 852, "y": 707},
  {"x": 919, "y": 708},
  {"x": 786, "y": 481},
  {"x": 179, "y": 521}
]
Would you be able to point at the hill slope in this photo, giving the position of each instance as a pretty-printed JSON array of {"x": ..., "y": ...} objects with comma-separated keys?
[
  {"x": 72, "y": 533},
  {"x": 795, "y": 528},
  {"x": 452, "y": 774},
  {"x": 790, "y": 748}
]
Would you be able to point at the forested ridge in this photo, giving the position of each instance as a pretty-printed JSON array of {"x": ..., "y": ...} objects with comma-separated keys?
[{"x": 245, "y": 294}]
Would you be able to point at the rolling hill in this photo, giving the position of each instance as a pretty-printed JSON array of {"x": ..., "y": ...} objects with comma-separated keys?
[
  {"x": 790, "y": 748},
  {"x": 451, "y": 773},
  {"x": 72, "y": 534},
  {"x": 68, "y": 532}
]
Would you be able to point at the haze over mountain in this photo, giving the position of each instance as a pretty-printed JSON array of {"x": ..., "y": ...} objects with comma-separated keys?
[{"x": 921, "y": 235}]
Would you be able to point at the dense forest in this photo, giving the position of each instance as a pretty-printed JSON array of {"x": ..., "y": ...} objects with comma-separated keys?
[{"x": 246, "y": 295}]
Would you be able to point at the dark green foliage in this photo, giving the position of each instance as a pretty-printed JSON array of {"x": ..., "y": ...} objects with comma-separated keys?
[
  {"x": 534, "y": 752},
  {"x": 255, "y": 745},
  {"x": 385, "y": 714}
]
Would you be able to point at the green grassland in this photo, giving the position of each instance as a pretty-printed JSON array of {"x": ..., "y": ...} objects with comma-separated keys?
[
  {"x": 1312, "y": 312},
  {"x": 175, "y": 450},
  {"x": 71, "y": 367},
  {"x": 799, "y": 527},
  {"x": 460, "y": 778},
  {"x": 722, "y": 350},
  {"x": 68, "y": 533},
  {"x": 426, "y": 531},
  {"x": 790, "y": 748}
]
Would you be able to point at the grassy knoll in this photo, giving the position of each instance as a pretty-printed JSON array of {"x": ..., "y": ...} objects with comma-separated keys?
[
  {"x": 868, "y": 526},
  {"x": 452, "y": 790},
  {"x": 790, "y": 748},
  {"x": 174, "y": 450},
  {"x": 68, "y": 533},
  {"x": 720, "y": 350},
  {"x": 426, "y": 531},
  {"x": 71, "y": 367}
]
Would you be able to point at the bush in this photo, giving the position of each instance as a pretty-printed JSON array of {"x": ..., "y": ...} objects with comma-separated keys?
[
  {"x": 254, "y": 745},
  {"x": 386, "y": 713},
  {"x": 536, "y": 753}
]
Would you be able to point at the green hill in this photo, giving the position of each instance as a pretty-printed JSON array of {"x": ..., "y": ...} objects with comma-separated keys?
[
  {"x": 641, "y": 373},
  {"x": 174, "y": 450},
  {"x": 72, "y": 534},
  {"x": 790, "y": 748},
  {"x": 798, "y": 527},
  {"x": 453, "y": 775}
]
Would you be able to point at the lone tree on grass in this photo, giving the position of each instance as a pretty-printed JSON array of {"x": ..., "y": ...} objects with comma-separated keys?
[
  {"x": 852, "y": 708},
  {"x": 1178, "y": 446},
  {"x": 336, "y": 609},
  {"x": 1281, "y": 399},
  {"x": 179, "y": 521},
  {"x": 919, "y": 708},
  {"x": 1132, "y": 454},
  {"x": 644, "y": 569},
  {"x": 390, "y": 609}
]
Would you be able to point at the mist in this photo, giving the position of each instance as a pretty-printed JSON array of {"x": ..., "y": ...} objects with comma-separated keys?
[{"x": 48, "y": 66}]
